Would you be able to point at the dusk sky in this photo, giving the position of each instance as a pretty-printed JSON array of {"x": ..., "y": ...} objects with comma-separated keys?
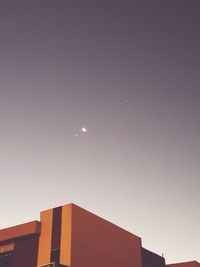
[{"x": 128, "y": 71}]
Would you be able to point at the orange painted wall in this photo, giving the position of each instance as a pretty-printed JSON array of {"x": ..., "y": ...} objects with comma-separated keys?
[
  {"x": 23, "y": 240},
  {"x": 66, "y": 235},
  {"x": 44, "y": 250},
  {"x": 7, "y": 247},
  {"x": 21, "y": 230},
  {"x": 97, "y": 242}
]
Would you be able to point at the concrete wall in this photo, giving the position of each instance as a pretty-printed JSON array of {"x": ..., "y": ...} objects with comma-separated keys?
[{"x": 97, "y": 242}]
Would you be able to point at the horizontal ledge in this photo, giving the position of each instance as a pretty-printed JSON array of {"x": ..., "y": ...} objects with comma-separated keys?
[{"x": 21, "y": 230}]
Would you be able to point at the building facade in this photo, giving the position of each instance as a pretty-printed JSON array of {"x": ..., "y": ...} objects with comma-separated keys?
[{"x": 69, "y": 236}]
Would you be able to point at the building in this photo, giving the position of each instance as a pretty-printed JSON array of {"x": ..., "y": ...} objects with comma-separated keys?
[
  {"x": 185, "y": 264},
  {"x": 69, "y": 236}
]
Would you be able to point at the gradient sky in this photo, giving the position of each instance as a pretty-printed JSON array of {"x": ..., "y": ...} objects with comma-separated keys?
[{"x": 128, "y": 71}]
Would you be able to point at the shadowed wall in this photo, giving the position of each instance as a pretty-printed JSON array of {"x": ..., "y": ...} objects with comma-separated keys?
[
  {"x": 150, "y": 259},
  {"x": 97, "y": 242}
]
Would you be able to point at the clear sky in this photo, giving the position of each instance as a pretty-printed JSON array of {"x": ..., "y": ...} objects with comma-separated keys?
[{"x": 129, "y": 72}]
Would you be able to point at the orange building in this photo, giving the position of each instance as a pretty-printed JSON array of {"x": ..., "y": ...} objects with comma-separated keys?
[
  {"x": 73, "y": 237},
  {"x": 185, "y": 264}
]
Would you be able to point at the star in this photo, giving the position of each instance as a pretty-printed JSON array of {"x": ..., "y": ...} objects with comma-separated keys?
[{"x": 84, "y": 129}]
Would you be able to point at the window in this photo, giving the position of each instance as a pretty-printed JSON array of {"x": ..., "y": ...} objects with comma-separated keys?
[
  {"x": 55, "y": 256},
  {"x": 6, "y": 252},
  {"x": 6, "y": 259}
]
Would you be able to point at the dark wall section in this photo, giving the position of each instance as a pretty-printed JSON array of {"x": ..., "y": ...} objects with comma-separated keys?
[
  {"x": 56, "y": 229},
  {"x": 6, "y": 259},
  {"x": 150, "y": 259},
  {"x": 56, "y": 235},
  {"x": 25, "y": 253}
]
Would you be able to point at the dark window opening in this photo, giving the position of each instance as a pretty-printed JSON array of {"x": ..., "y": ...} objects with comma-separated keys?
[
  {"x": 6, "y": 259},
  {"x": 55, "y": 256}
]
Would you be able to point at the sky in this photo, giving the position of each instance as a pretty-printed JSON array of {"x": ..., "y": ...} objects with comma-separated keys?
[{"x": 127, "y": 71}]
